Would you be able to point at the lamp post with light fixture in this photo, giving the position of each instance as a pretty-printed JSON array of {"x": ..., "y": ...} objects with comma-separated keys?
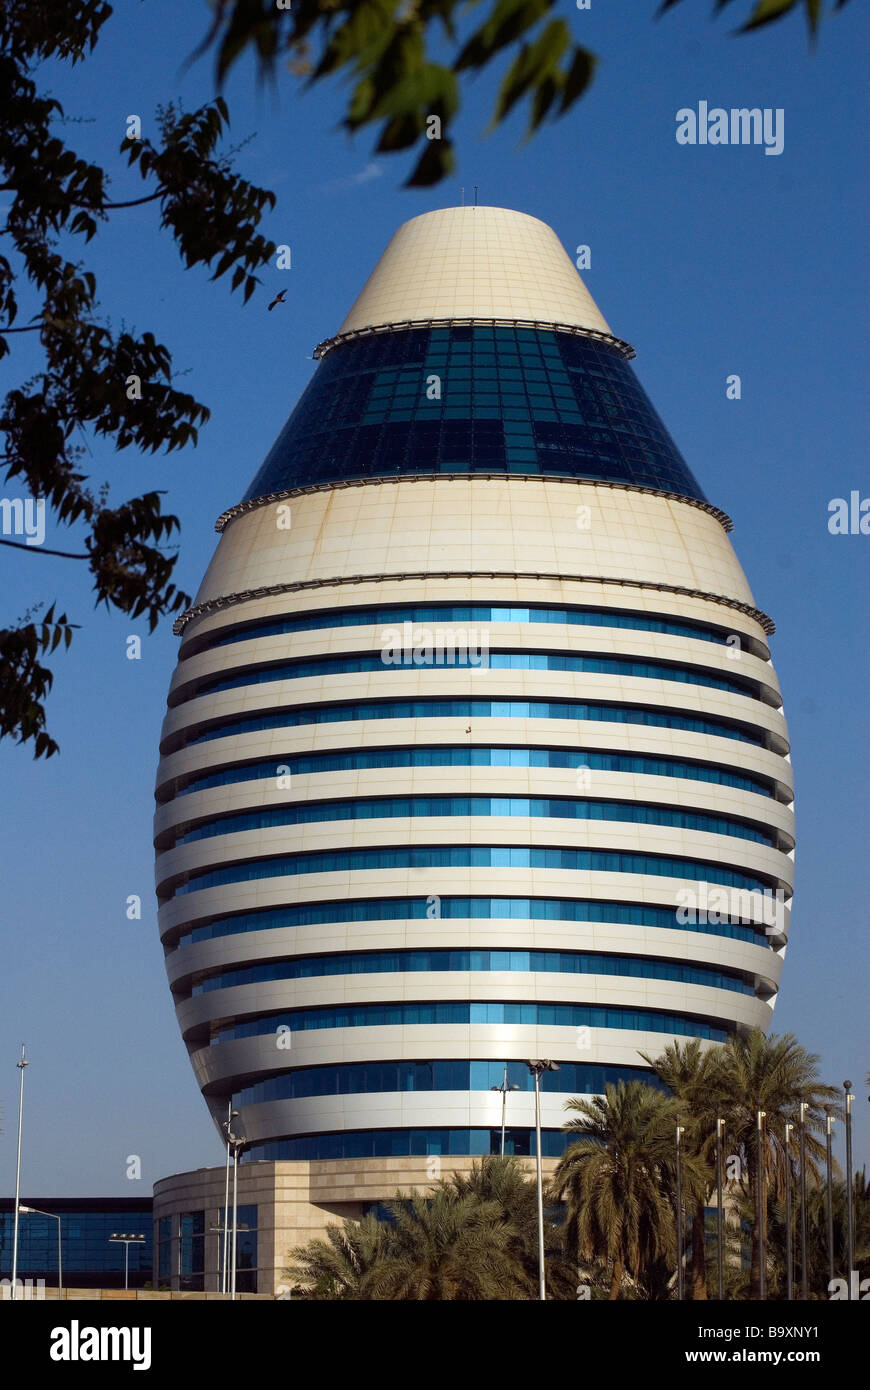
[
  {"x": 238, "y": 1144},
  {"x": 829, "y": 1204},
  {"x": 850, "y": 1215},
  {"x": 122, "y": 1238},
  {"x": 537, "y": 1068},
  {"x": 681, "y": 1129},
  {"x": 804, "y": 1107},
  {"x": 20, "y": 1065},
  {"x": 789, "y": 1234},
  {"x": 504, "y": 1088},
  {"x": 231, "y": 1115}
]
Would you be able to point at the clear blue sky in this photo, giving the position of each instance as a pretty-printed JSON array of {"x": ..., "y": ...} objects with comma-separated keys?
[{"x": 710, "y": 260}]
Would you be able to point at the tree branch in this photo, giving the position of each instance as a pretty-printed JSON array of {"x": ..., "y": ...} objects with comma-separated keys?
[
  {"x": 133, "y": 203},
  {"x": 64, "y": 554}
]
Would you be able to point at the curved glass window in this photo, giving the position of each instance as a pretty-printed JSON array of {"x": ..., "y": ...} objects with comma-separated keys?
[
  {"x": 445, "y": 756},
  {"x": 368, "y": 1078},
  {"x": 513, "y": 400},
  {"x": 488, "y": 1011},
  {"x": 463, "y": 613},
  {"x": 473, "y": 856},
  {"x": 406, "y": 1143},
  {"x": 527, "y": 807},
  {"x": 411, "y": 961},
  {"x": 493, "y": 661},
  {"x": 417, "y": 909},
  {"x": 430, "y": 707}
]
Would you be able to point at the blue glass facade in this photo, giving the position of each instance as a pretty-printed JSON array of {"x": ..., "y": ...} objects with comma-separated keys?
[
  {"x": 476, "y": 1011},
  {"x": 529, "y": 807},
  {"x": 246, "y": 1245},
  {"x": 401, "y": 1143},
  {"x": 89, "y": 1259},
  {"x": 191, "y": 1254},
  {"x": 513, "y": 400},
  {"x": 430, "y": 707},
  {"x": 462, "y": 613},
  {"x": 354, "y": 1078},
  {"x": 445, "y": 756},
  {"x": 416, "y": 909},
  {"x": 190, "y": 1250},
  {"x": 462, "y": 856},
  {"x": 562, "y": 962},
  {"x": 495, "y": 661}
]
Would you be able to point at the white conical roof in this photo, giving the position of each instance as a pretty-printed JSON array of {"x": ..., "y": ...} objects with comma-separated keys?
[{"x": 475, "y": 262}]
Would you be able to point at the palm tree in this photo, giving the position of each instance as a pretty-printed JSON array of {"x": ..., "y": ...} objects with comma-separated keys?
[
  {"x": 617, "y": 1180},
  {"x": 339, "y": 1267},
  {"x": 686, "y": 1070},
  {"x": 775, "y": 1074},
  {"x": 817, "y": 1234},
  {"x": 448, "y": 1246},
  {"x": 506, "y": 1182}
]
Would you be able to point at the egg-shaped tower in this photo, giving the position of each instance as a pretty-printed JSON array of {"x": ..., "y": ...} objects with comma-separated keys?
[{"x": 474, "y": 751}]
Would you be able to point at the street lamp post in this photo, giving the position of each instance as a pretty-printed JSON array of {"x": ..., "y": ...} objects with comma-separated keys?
[
  {"x": 720, "y": 1215},
  {"x": 238, "y": 1144},
  {"x": 681, "y": 1129},
  {"x": 231, "y": 1114},
  {"x": 122, "y": 1238},
  {"x": 35, "y": 1211},
  {"x": 789, "y": 1259},
  {"x": 829, "y": 1204},
  {"x": 504, "y": 1088},
  {"x": 536, "y": 1068},
  {"x": 803, "y": 1178},
  {"x": 20, "y": 1065},
  {"x": 235, "y": 1216},
  {"x": 762, "y": 1206},
  {"x": 850, "y": 1215}
]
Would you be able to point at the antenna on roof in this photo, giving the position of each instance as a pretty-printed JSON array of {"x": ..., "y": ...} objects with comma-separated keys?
[{"x": 475, "y": 195}]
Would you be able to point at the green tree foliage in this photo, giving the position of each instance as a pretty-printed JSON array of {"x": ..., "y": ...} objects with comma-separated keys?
[
  {"x": 384, "y": 48},
  {"x": 471, "y": 1237},
  {"x": 617, "y": 1181},
  {"x": 817, "y": 1236},
  {"x": 774, "y": 1074},
  {"x": 505, "y": 1182},
  {"x": 59, "y": 201},
  {"x": 685, "y": 1068},
  {"x": 734, "y": 1081},
  {"x": 339, "y": 1268}
]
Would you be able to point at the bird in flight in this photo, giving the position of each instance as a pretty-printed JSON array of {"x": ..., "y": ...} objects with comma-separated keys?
[{"x": 279, "y": 299}]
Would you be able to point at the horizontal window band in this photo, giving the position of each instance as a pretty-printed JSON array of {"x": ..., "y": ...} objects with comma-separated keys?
[
  {"x": 413, "y": 961},
  {"x": 442, "y": 1014},
  {"x": 472, "y": 856},
  {"x": 492, "y": 660},
  {"x": 570, "y": 615},
  {"x": 434, "y": 707},
  {"x": 450, "y": 908},
  {"x": 436, "y": 807},
  {"x": 445, "y": 755},
  {"x": 410, "y": 1143},
  {"x": 449, "y": 1074}
]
